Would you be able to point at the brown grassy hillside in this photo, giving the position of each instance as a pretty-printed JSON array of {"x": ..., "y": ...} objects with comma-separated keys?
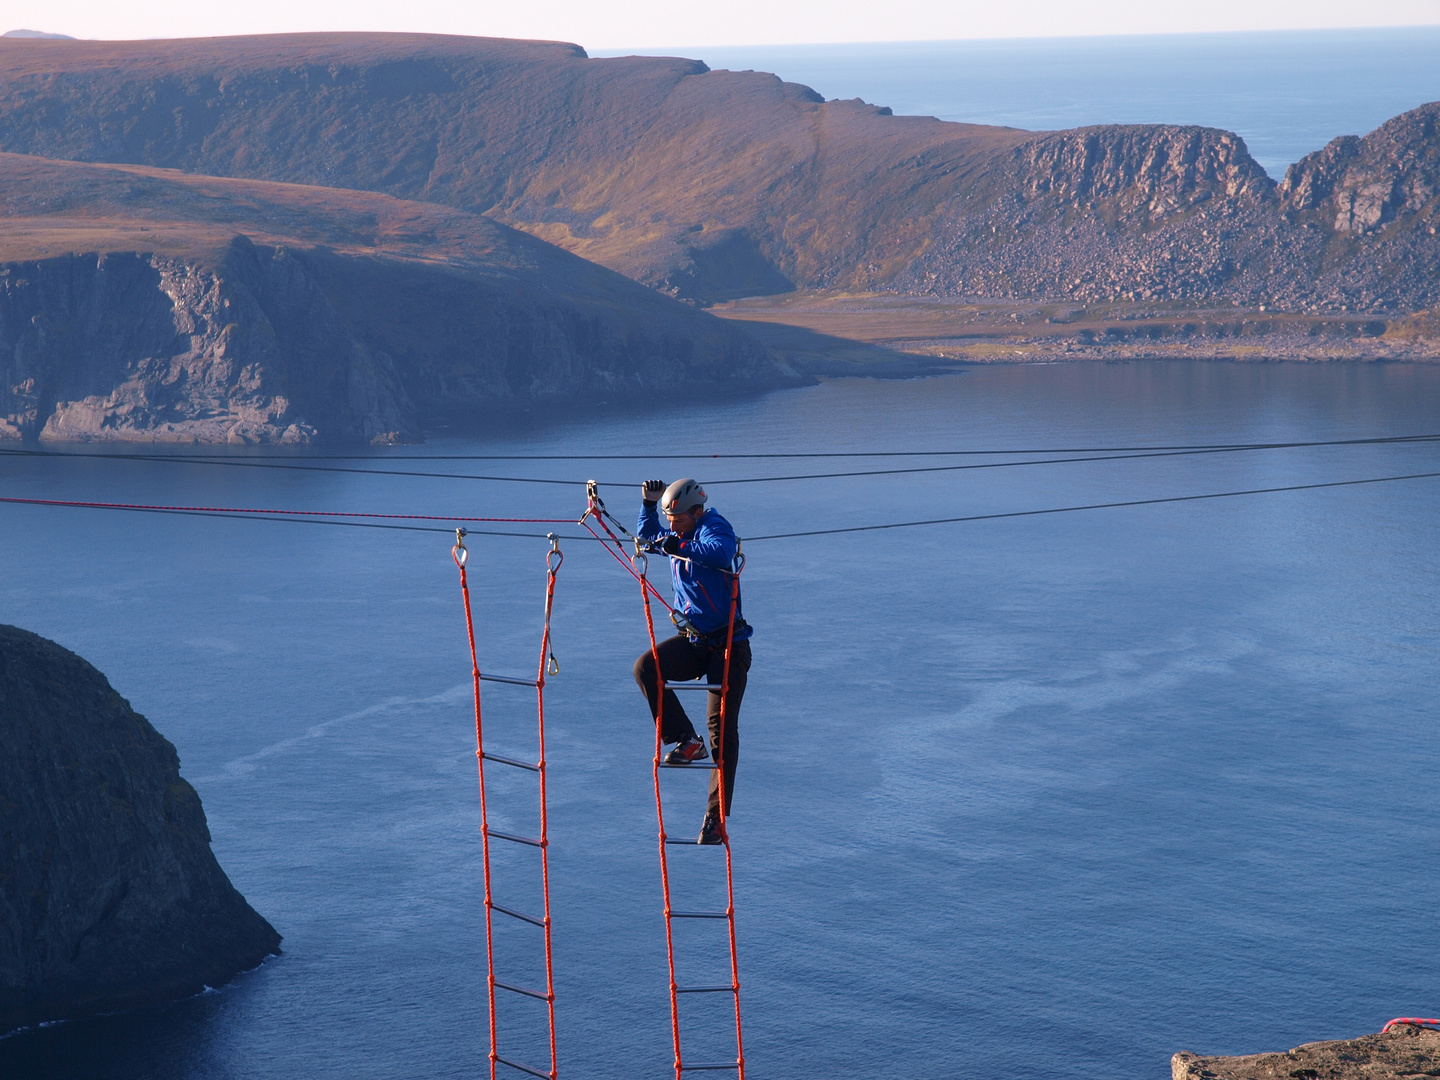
[
  {"x": 706, "y": 184},
  {"x": 714, "y": 184}
]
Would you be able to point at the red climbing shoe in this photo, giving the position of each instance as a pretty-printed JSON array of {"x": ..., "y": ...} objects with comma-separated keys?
[
  {"x": 692, "y": 749},
  {"x": 712, "y": 832}
]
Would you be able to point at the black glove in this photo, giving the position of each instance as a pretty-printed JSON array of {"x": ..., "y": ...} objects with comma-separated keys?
[
  {"x": 651, "y": 490},
  {"x": 670, "y": 545}
]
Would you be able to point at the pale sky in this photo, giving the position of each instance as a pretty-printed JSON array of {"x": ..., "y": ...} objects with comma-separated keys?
[{"x": 651, "y": 24}]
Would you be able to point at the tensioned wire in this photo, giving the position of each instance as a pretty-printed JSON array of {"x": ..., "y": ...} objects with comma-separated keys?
[
  {"x": 251, "y": 515},
  {"x": 196, "y": 456},
  {"x": 1091, "y": 455}
]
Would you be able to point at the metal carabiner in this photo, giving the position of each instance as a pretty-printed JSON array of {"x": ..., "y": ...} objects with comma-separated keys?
[
  {"x": 639, "y": 560},
  {"x": 593, "y": 505},
  {"x": 553, "y": 559},
  {"x": 460, "y": 553}
]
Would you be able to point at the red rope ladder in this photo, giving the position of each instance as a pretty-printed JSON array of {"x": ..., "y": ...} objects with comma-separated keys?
[
  {"x": 553, "y": 559},
  {"x": 637, "y": 567}
]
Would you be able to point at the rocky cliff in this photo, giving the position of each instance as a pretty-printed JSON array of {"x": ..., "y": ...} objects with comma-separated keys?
[
  {"x": 349, "y": 316},
  {"x": 110, "y": 897},
  {"x": 712, "y": 184},
  {"x": 1405, "y": 1052}
]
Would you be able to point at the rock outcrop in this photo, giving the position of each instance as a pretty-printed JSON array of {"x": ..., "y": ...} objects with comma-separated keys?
[
  {"x": 123, "y": 345},
  {"x": 711, "y": 185},
  {"x": 110, "y": 896},
  {"x": 1405, "y": 1052},
  {"x": 350, "y": 316}
]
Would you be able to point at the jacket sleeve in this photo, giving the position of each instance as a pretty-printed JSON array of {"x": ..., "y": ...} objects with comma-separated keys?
[
  {"x": 712, "y": 545},
  {"x": 649, "y": 527}
]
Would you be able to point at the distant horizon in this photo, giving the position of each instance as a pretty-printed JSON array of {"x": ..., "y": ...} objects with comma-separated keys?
[
  {"x": 610, "y": 51},
  {"x": 669, "y": 50},
  {"x": 651, "y": 25}
]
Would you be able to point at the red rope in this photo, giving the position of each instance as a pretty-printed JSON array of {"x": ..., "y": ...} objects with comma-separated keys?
[
  {"x": 597, "y": 510},
  {"x": 1418, "y": 1021},
  {"x": 553, "y": 560},
  {"x": 552, "y": 566},
  {"x": 484, "y": 815},
  {"x": 723, "y": 800},
  {"x": 277, "y": 513},
  {"x": 660, "y": 816}
]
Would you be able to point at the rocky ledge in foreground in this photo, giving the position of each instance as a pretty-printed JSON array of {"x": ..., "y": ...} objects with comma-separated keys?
[
  {"x": 1405, "y": 1051},
  {"x": 110, "y": 896}
]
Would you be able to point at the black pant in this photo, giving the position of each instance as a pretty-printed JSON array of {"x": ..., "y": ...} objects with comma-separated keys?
[{"x": 682, "y": 660}]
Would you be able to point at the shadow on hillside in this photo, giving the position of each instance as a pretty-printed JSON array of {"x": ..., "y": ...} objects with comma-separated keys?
[
  {"x": 824, "y": 355},
  {"x": 812, "y": 354}
]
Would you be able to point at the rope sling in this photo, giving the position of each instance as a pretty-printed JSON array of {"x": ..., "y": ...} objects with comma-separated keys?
[{"x": 553, "y": 559}]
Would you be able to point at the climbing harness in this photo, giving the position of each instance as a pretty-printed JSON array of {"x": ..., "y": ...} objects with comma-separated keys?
[
  {"x": 548, "y": 666},
  {"x": 639, "y": 563}
]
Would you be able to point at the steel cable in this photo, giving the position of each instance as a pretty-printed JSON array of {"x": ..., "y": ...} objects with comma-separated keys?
[
  {"x": 286, "y": 515},
  {"x": 1090, "y": 455}
]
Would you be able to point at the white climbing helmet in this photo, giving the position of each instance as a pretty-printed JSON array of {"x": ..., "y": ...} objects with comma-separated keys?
[{"x": 682, "y": 496}]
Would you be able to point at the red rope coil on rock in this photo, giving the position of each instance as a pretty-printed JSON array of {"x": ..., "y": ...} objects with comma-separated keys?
[{"x": 1418, "y": 1021}]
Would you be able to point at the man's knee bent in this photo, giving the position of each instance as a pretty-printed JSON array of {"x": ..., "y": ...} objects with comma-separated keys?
[{"x": 645, "y": 670}]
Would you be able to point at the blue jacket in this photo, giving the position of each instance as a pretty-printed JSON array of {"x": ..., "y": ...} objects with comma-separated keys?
[{"x": 702, "y": 589}]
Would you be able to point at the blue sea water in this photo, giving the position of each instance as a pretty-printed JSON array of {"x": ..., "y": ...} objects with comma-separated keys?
[
  {"x": 1041, "y": 796},
  {"x": 1287, "y": 93}
]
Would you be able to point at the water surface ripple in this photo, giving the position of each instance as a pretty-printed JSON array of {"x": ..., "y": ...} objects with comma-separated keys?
[{"x": 1042, "y": 797}]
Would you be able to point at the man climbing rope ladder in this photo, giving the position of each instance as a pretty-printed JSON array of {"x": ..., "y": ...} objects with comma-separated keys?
[{"x": 702, "y": 546}]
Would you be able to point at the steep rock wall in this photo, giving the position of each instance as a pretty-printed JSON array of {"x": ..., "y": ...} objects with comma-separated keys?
[
  {"x": 137, "y": 347},
  {"x": 1107, "y": 213},
  {"x": 278, "y": 345},
  {"x": 110, "y": 896}
]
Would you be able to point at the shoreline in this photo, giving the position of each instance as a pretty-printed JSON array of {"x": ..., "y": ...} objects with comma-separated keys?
[{"x": 892, "y": 335}]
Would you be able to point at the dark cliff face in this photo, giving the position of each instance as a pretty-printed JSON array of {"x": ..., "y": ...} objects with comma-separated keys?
[
  {"x": 110, "y": 897},
  {"x": 131, "y": 346},
  {"x": 281, "y": 346},
  {"x": 715, "y": 184},
  {"x": 125, "y": 345},
  {"x": 355, "y": 317}
]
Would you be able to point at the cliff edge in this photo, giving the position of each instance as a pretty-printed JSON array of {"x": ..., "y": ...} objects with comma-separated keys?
[
  {"x": 110, "y": 896},
  {"x": 148, "y": 305},
  {"x": 1405, "y": 1051}
]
